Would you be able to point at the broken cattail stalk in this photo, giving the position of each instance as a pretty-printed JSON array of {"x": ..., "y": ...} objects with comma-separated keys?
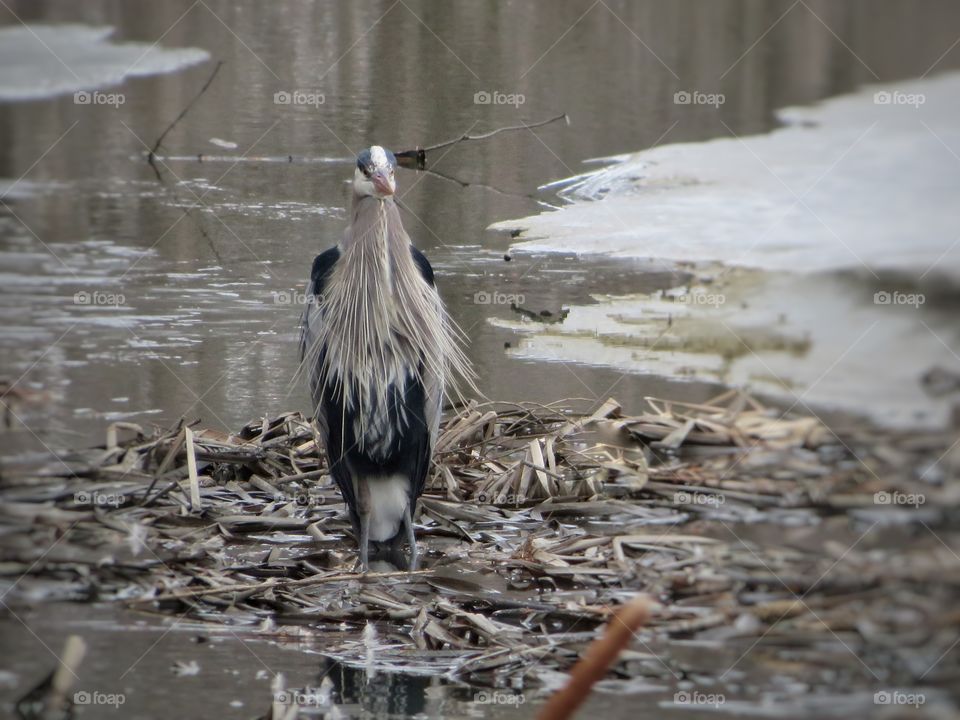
[
  {"x": 195, "y": 504},
  {"x": 597, "y": 659}
]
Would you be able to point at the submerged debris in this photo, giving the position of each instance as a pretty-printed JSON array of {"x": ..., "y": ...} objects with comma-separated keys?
[
  {"x": 52, "y": 698},
  {"x": 757, "y": 534}
]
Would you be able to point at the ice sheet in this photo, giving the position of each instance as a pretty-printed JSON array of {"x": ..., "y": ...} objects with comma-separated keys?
[
  {"x": 41, "y": 61},
  {"x": 852, "y": 183}
]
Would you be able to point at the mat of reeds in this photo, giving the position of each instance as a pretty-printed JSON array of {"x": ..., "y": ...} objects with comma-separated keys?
[{"x": 747, "y": 527}]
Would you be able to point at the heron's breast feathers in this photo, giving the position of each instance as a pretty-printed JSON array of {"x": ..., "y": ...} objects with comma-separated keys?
[{"x": 379, "y": 327}]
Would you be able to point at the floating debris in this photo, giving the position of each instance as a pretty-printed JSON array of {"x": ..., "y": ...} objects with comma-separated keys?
[
  {"x": 51, "y": 699},
  {"x": 752, "y": 531},
  {"x": 185, "y": 668}
]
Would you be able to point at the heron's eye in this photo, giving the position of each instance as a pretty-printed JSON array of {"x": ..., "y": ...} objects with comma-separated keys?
[{"x": 365, "y": 170}]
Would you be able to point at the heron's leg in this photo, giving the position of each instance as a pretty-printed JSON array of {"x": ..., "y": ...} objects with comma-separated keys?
[
  {"x": 364, "y": 541},
  {"x": 411, "y": 538},
  {"x": 363, "y": 511}
]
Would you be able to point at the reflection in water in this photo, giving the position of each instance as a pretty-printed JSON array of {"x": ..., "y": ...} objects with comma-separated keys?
[{"x": 378, "y": 693}]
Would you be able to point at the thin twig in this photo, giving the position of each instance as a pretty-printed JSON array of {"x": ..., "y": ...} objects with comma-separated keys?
[
  {"x": 484, "y": 136},
  {"x": 156, "y": 145},
  {"x": 417, "y": 158}
]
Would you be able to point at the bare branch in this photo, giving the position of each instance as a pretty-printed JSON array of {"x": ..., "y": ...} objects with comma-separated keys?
[
  {"x": 156, "y": 145},
  {"x": 417, "y": 158}
]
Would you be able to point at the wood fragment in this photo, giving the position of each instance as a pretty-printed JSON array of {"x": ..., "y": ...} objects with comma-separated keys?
[
  {"x": 195, "y": 501},
  {"x": 594, "y": 663}
]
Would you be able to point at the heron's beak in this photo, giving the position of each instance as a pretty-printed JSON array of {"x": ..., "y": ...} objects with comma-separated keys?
[{"x": 383, "y": 183}]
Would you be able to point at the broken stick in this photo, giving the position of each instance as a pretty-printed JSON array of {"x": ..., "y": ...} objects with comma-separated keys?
[{"x": 593, "y": 664}]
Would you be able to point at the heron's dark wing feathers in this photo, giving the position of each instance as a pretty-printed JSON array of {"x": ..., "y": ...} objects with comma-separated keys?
[
  {"x": 335, "y": 430},
  {"x": 403, "y": 444},
  {"x": 310, "y": 328},
  {"x": 433, "y": 383},
  {"x": 322, "y": 266},
  {"x": 425, "y": 269},
  {"x": 418, "y": 437},
  {"x": 399, "y": 445}
]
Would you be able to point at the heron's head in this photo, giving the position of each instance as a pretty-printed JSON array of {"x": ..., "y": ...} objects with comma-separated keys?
[{"x": 374, "y": 173}]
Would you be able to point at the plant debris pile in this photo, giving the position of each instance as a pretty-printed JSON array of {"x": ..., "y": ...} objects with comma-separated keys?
[{"x": 772, "y": 544}]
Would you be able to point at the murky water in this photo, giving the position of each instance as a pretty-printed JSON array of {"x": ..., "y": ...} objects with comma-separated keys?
[
  {"x": 114, "y": 304},
  {"x": 191, "y": 316}
]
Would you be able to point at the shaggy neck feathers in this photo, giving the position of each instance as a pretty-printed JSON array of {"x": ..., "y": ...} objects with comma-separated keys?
[{"x": 382, "y": 321}]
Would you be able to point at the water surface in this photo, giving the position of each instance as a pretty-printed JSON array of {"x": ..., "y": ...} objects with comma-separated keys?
[{"x": 187, "y": 315}]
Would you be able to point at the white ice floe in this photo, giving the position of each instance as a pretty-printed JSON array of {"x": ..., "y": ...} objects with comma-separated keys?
[
  {"x": 854, "y": 182},
  {"x": 831, "y": 245},
  {"x": 41, "y": 61}
]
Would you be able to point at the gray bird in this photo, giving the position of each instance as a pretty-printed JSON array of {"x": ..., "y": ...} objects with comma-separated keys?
[{"x": 378, "y": 346}]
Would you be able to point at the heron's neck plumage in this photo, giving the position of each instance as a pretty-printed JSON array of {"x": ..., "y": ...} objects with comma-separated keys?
[
  {"x": 376, "y": 241},
  {"x": 383, "y": 321}
]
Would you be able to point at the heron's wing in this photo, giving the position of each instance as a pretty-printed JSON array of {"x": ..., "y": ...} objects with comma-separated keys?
[
  {"x": 423, "y": 437},
  {"x": 336, "y": 424},
  {"x": 311, "y": 318},
  {"x": 311, "y": 323},
  {"x": 433, "y": 382},
  {"x": 425, "y": 268},
  {"x": 432, "y": 392},
  {"x": 327, "y": 408}
]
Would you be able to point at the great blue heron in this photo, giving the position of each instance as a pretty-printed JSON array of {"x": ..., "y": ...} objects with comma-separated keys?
[{"x": 378, "y": 346}]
